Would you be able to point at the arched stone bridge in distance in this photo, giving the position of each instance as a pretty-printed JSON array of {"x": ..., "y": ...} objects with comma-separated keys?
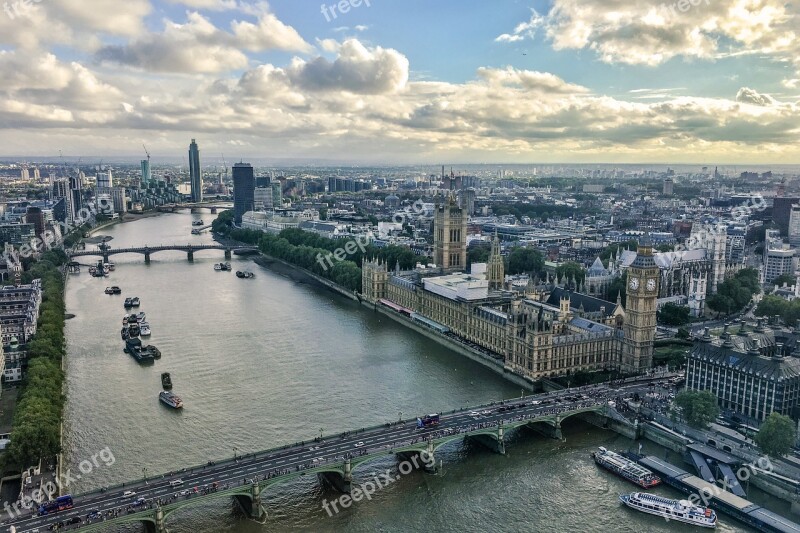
[
  {"x": 106, "y": 252},
  {"x": 334, "y": 458}
]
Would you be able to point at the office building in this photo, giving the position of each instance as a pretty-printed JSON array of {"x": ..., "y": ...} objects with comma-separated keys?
[
  {"x": 777, "y": 262},
  {"x": 118, "y": 200},
  {"x": 105, "y": 180},
  {"x": 751, "y": 373},
  {"x": 277, "y": 195},
  {"x": 668, "y": 187},
  {"x": 146, "y": 175},
  {"x": 35, "y": 216},
  {"x": 794, "y": 225},
  {"x": 195, "y": 176},
  {"x": 243, "y": 190},
  {"x": 262, "y": 198},
  {"x": 781, "y": 212}
]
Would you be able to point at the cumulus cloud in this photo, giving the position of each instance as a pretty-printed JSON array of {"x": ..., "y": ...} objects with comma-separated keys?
[
  {"x": 198, "y": 46},
  {"x": 357, "y": 69},
  {"x": 642, "y": 32}
]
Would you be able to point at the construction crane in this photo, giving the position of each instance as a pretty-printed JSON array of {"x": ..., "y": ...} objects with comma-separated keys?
[{"x": 145, "y": 151}]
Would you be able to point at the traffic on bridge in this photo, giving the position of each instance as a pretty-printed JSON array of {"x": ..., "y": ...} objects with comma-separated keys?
[{"x": 245, "y": 476}]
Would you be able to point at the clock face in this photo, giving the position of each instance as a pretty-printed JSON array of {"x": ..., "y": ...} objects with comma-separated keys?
[
  {"x": 651, "y": 284},
  {"x": 634, "y": 283}
]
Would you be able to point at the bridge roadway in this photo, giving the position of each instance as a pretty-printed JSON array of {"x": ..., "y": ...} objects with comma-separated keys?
[
  {"x": 245, "y": 477},
  {"x": 145, "y": 250}
]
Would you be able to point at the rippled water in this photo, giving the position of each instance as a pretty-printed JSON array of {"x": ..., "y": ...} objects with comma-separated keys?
[{"x": 269, "y": 361}]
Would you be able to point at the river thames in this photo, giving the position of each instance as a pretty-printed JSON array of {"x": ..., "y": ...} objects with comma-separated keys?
[{"x": 269, "y": 361}]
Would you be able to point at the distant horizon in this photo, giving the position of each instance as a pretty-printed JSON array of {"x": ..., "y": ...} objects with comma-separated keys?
[{"x": 92, "y": 161}]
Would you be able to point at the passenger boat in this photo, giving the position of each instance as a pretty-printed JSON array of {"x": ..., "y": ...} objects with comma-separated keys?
[
  {"x": 154, "y": 352},
  {"x": 166, "y": 381},
  {"x": 125, "y": 320},
  {"x": 125, "y": 334},
  {"x": 678, "y": 510},
  {"x": 109, "y": 266},
  {"x": 134, "y": 330},
  {"x": 113, "y": 290},
  {"x": 196, "y": 232},
  {"x": 144, "y": 329},
  {"x": 170, "y": 399},
  {"x": 128, "y": 303},
  {"x": 140, "y": 316},
  {"x": 625, "y": 468},
  {"x": 245, "y": 275},
  {"x": 135, "y": 302},
  {"x": 218, "y": 267},
  {"x": 198, "y": 223}
]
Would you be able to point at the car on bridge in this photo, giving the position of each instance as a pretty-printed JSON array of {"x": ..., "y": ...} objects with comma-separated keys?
[
  {"x": 128, "y": 494},
  {"x": 359, "y": 444}
]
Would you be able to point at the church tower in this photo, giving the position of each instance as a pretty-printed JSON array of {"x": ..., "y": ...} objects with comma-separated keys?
[
  {"x": 450, "y": 236},
  {"x": 495, "y": 269},
  {"x": 640, "y": 311}
]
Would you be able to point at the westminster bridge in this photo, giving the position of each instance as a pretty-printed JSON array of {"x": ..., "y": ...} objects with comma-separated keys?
[
  {"x": 334, "y": 458},
  {"x": 106, "y": 251}
]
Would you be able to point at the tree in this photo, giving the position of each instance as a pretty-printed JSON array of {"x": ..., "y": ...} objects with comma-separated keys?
[
  {"x": 477, "y": 254},
  {"x": 571, "y": 270},
  {"x": 777, "y": 435},
  {"x": 699, "y": 407},
  {"x": 525, "y": 261},
  {"x": 784, "y": 278},
  {"x": 674, "y": 315}
]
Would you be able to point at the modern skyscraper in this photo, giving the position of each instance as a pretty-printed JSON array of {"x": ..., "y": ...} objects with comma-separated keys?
[
  {"x": 75, "y": 205},
  {"x": 105, "y": 180},
  {"x": 243, "y": 190},
  {"x": 146, "y": 176},
  {"x": 794, "y": 225},
  {"x": 450, "y": 236},
  {"x": 195, "y": 177}
]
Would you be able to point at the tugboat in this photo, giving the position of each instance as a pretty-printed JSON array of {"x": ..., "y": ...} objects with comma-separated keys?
[
  {"x": 244, "y": 275},
  {"x": 154, "y": 352},
  {"x": 678, "y": 510},
  {"x": 170, "y": 399},
  {"x": 144, "y": 329},
  {"x": 625, "y": 468},
  {"x": 125, "y": 334},
  {"x": 135, "y": 301},
  {"x": 166, "y": 381},
  {"x": 133, "y": 330},
  {"x": 198, "y": 223},
  {"x": 113, "y": 290},
  {"x": 128, "y": 303}
]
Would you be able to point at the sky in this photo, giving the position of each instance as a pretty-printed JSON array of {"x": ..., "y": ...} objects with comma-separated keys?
[{"x": 404, "y": 81}]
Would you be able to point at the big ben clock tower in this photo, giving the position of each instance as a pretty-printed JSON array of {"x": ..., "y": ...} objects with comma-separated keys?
[{"x": 640, "y": 310}]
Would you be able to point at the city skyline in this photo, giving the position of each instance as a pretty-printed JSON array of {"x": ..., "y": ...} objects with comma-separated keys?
[{"x": 518, "y": 82}]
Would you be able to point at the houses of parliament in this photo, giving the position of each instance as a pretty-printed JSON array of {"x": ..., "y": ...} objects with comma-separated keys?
[{"x": 538, "y": 331}]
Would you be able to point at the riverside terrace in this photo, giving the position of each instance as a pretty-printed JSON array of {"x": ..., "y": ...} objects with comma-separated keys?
[{"x": 333, "y": 458}]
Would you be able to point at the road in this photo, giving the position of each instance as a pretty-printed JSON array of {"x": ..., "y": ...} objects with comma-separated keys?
[{"x": 243, "y": 470}]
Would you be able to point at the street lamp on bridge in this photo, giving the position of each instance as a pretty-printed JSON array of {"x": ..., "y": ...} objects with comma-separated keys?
[
  {"x": 235, "y": 449},
  {"x": 144, "y": 474}
]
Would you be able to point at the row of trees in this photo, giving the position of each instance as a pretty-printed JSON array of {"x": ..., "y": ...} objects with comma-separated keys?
[
  {"x": 37, "y": 417},
  {"x": 775, "y": 305},
  {"x": 734, "y": 293},
  {"x": 317, "y": 253}
]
